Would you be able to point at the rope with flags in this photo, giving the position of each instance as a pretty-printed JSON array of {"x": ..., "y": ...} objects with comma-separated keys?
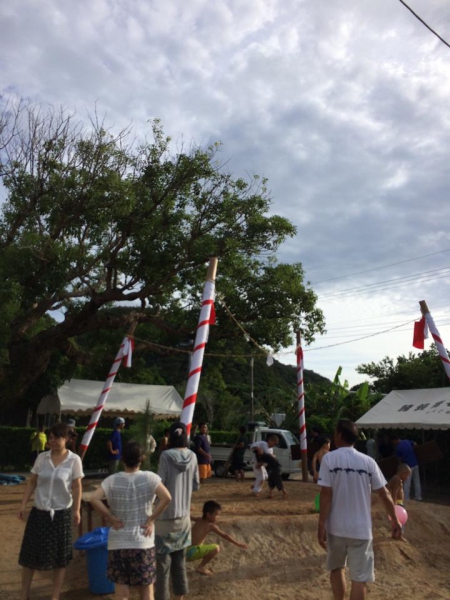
[
  {"x": 207, "y": 318},
  {"x": 428, "y": 319},
  {"x": 125, "y": 352}
]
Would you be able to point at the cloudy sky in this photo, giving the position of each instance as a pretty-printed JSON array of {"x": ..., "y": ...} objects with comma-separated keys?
[{"x": 342, "y": 104}]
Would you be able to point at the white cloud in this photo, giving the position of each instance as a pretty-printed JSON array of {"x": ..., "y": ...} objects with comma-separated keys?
[{"x": 343, "y": 105}]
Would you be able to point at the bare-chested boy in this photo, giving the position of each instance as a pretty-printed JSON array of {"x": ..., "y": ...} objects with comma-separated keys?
[
  {"x": 204, "y": 525},
  {"x": 317, "y": 458},
  {"x": 395, "y": 485}
]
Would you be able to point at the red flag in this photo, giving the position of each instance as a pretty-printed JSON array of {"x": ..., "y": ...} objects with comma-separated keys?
[{"x": 420, "y": 333}]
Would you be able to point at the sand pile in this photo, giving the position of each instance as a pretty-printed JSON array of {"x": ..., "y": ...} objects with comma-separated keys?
[{"x": 284, "y": 560}]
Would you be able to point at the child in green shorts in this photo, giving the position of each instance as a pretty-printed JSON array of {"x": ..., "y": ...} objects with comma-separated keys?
[{"x": 204, "y": 525}]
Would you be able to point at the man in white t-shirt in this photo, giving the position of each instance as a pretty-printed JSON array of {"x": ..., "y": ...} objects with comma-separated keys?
[{"x": 347, "y": 478}]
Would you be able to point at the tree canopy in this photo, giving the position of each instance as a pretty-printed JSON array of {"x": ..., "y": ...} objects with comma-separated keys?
[
  {"x": 407, "y": 372},
  {"x": 92, "y": 221}
]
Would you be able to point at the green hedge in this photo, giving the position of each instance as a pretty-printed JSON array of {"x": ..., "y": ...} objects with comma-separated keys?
[
  {"x": 223, "y": 437},
  {"x": 15, "y": 446}
]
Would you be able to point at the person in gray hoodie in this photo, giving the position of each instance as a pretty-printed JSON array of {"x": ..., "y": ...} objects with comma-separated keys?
[{"x": 178, "y": 470}]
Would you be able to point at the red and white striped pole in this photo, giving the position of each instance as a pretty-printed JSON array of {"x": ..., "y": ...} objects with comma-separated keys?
[
  {"x": 436, "y": 337},
  {"x": 301, "y": 408},
  {"x": 125, "y": 351},
  {"x": 207, "y": 318}
]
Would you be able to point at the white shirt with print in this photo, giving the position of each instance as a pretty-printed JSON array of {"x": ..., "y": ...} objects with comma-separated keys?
[
  {"x": 352, "y": 476},
  {"x": 54, "y": 484},
  {"x": 130, "y": 497}
]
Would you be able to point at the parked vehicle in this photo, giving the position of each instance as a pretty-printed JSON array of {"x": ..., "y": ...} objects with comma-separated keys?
[{"x": 287, "y": 452}]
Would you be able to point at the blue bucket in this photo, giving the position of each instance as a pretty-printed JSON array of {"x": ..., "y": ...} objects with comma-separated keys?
[{"x": 95, "y": 544}]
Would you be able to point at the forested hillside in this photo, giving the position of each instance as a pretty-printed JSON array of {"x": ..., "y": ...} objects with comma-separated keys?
[{"x": 225, "y": 385}]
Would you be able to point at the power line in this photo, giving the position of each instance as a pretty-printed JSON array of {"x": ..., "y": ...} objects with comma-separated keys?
[
  {"x": 400, "y": 313},
  {"x": 426, "y": 24},
  {"x": 388, "y": 283},
  {"x": 357, "y": 339},
  {"x": 383, "y": 288},
  {"x": 378, "y": 324},
  {"x": 442, "y": 325},
  {"x": 378, "y": 268}
]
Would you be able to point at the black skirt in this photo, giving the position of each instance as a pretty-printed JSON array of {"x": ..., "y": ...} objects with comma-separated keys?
[{"x": 47, "y": 542}]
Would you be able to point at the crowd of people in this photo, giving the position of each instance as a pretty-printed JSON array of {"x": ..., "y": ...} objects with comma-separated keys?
[{"x": 152, "y": 533}]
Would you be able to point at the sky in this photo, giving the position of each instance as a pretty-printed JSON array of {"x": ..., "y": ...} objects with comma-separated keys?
[{"x": 342, "y": 105}]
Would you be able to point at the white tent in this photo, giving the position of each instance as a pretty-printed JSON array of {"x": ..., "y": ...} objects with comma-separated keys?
[
  {"x": 410, "y": 409},
  {"x": 80, "y": 396}
]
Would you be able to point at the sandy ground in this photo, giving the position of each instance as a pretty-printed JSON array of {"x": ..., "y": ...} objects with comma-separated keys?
[{"x": 284, "y": 560}]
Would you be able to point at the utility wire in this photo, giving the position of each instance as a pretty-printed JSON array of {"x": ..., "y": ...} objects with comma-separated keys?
[
  {"x": 446, "y": 316},
  {"x": 385, "y": 288},
  {"x": 442, "y": 324},
  {"x": 426, "y": 24},
  {"x": 423, "y": 280},
  {"x": 388, "y": 283},
  {"x": 401, "y": 313},
  {"x": 357, "y": 339},
  {"x": 378, "y": 268}
]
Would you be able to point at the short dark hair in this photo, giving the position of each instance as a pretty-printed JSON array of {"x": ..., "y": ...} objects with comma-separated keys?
[
  {"x": 132, "y": 454},
  {"x": 59, "y": 430},
  {"x": 243, "y": 429},
  {"x": 166, "y": 431},
  {"x": 203, "y": 423},
  {"x": 348, "y": 430},
  {"x": 177, "y": 435},
  {"x": 273, "y": 436},
  {"x": 210, "y": 506},
  {"x": 324, "y": 440}
]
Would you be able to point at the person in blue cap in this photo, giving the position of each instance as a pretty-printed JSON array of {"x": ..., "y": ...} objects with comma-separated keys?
[{"x": 114, "y": 446}]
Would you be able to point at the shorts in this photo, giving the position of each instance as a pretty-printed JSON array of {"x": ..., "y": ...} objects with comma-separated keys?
[
  {"x": 198, "y": 552},
  {"x": 359, "y": 554},
  {"x": 237, "y": 464},
  {"x": 204, "y": 471},
  {"x": 134, "y": 567}
]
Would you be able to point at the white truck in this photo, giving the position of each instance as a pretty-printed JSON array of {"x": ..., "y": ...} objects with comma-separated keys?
[{"x": 287, "y": 452}]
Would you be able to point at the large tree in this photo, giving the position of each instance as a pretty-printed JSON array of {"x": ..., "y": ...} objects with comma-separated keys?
[{"x": 92, "y": 221}]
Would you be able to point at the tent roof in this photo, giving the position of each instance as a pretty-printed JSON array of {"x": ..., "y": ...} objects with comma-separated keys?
[
  {"x": 81, "y": 396},
  {"x": 410, "y": 409}
]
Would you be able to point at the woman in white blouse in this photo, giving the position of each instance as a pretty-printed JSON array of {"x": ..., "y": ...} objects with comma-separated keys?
[{"x": 56, "y": 483}]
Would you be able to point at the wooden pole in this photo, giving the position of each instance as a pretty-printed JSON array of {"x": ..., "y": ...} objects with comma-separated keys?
[{"x": 301, "y": 408}]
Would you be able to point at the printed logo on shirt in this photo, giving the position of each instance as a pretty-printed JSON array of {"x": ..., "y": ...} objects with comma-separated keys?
[{"x": 349, "y": 470}]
